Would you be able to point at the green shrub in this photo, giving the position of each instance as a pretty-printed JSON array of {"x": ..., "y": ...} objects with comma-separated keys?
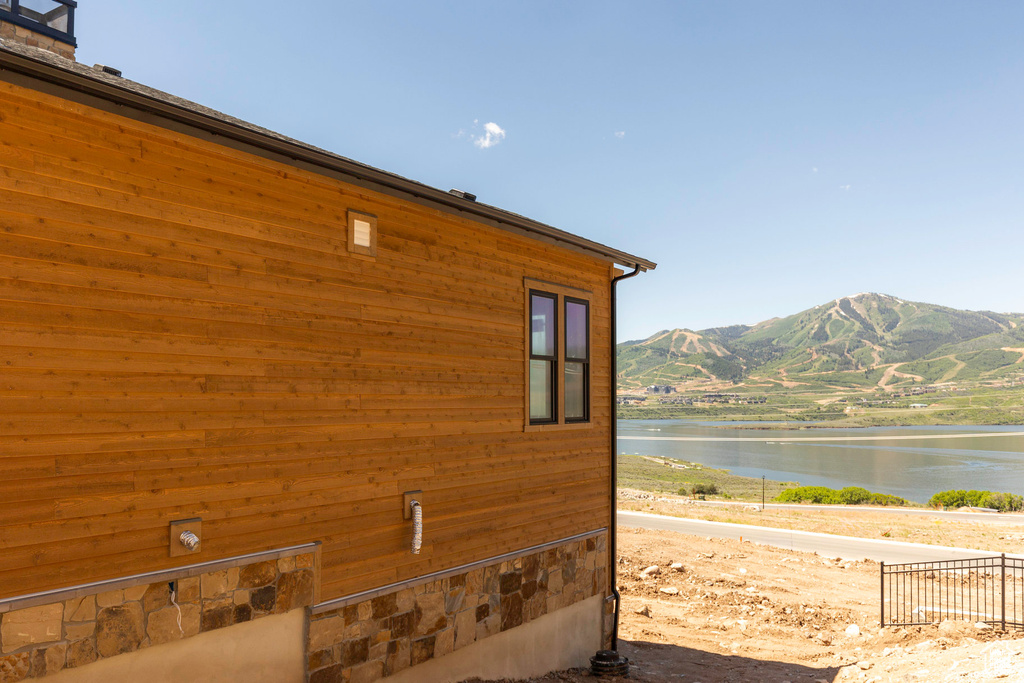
[
  {"x": 820, "y": 495},
  {"x": 1004, "y": 502},
  {"x": 854, "y": 495},
  {"x": 956, "y": 498},
  {"x": 851, "y": 495},
  {"x": 704, "y": 489},
  {"x": 887, "y": 499}
]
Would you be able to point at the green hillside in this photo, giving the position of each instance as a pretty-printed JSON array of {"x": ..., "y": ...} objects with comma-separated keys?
[{"x": 866, "y": 342}]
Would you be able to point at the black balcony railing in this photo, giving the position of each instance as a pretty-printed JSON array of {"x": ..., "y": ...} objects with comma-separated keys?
[
  {"x": 983, "y": 589},
  {"x": 53, "y": 18}
]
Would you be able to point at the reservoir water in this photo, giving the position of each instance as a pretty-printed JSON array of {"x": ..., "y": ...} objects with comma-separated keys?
[{"x": 912, "y": 462}]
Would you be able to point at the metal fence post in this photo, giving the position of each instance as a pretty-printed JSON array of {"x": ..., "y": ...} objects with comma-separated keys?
[
  {"x": 881, "y": 567},
  {"x": 1002, "y": 570}
]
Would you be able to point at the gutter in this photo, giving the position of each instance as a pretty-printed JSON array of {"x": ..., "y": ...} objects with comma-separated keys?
[
  {"x": 613, "y": 488},
  {"x": 109, "y": 89}
]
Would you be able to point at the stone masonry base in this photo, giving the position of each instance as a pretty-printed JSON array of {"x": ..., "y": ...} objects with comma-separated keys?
[
  {"x": 370, "y": 639},
  {"x": 41, "y": 640},
  {"x": 359, "y": 639}
]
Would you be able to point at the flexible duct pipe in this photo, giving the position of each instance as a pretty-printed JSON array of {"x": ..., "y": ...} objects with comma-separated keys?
[
  {"x": 417, "y": 526},
  {"x": 189, "y": 540}
]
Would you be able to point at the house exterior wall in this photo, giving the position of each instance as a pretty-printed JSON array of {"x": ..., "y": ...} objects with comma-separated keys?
[{"x": 185, "y": 333}]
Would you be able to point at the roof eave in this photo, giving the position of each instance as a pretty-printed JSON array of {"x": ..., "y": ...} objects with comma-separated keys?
[{"x": 95, "y": 87}]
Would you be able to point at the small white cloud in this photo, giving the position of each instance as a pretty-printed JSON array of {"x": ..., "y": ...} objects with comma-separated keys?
[
  {"x": 814, "y": 169},
  {"x": 493, "y": 134},
  {"x": 620, "y": 134},
  {"x": 845, "y": 188}
]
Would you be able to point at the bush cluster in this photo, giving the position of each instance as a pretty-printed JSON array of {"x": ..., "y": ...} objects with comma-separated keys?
[
  {"x": 700, "y": 490},
  {"x": 851, "y": 495},
  {"x": 956, "y": 498}
]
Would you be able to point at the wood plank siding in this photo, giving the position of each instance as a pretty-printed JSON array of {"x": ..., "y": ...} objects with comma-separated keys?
[{"x": 185, "y": 333}]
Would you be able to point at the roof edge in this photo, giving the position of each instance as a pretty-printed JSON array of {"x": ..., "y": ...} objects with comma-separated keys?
[{"x": 101, "y": 88}]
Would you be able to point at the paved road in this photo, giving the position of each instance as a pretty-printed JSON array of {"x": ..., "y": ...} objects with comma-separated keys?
[
  {"x": 784, "y": 441},
  {"x": 984, "y": 517},
  {"x": 828, "y": 545}
]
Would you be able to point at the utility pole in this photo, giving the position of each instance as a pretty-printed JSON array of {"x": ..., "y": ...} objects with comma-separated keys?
[{"x": 762, "y": 493}]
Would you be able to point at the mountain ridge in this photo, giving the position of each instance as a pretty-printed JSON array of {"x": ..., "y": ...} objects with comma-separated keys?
[{"x": 859, "y": 341}]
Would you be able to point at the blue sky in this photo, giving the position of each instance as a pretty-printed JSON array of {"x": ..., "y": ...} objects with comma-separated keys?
[{"x": 768, "y": 156}]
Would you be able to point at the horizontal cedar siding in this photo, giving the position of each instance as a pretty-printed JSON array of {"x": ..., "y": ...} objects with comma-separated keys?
[{"x": 183, "y": 332}]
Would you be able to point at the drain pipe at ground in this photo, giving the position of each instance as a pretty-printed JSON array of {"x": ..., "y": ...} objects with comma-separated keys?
[{"x": 608, "y": 662}]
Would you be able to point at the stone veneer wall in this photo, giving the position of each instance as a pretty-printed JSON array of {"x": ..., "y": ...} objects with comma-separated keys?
[
  {"x": 41, "y": 640},
  {"x": 20, "y": 34},
  {"x": 367, "y": 640}
]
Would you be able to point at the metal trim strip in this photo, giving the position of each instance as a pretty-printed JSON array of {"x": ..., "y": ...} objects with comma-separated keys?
[{"x": 188, "y": 571}]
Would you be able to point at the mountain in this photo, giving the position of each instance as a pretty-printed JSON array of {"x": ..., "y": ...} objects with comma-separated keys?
[{"x": 860, "y": 341}]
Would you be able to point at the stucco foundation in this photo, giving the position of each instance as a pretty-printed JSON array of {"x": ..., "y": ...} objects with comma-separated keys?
[
  {"x": 559, "y": 640},
  {"x": 268, "y": 650}
]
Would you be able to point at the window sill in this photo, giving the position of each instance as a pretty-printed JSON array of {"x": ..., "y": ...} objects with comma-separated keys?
[{"x": 555, "y": 427}]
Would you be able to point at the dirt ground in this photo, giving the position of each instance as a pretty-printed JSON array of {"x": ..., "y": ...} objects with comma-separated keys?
[{"x": 718, "y": 610}]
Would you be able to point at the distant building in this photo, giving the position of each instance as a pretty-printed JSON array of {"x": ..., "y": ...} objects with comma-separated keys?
[
  {"x": 719, "y": 398},
  {"x": 661, "y": 389}
]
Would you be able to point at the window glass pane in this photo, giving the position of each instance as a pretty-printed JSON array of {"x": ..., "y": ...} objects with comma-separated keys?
[
  {"x": 541, "y": 391},
  {"x": 46, "y": 12},
  {"x": 576, "y": 330},
  {"x": 575, "y": 391},
  {"x": 40, "y": 6},
  {"x": 542, "y": 315}
]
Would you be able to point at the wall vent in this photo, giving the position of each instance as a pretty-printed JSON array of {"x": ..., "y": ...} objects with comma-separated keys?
[
  {"x": 468, "y": 196},
  {"x": 108, "y": 70}
]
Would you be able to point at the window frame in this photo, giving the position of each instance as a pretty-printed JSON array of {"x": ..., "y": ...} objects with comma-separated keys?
[
  {"x": 560, "y": 293},
  {"x": 553, "y": 358},
  {"x": 566, "y": 359}
]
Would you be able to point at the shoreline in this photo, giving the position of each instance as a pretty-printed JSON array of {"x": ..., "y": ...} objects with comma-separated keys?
[{"x": 777, "y": 422}]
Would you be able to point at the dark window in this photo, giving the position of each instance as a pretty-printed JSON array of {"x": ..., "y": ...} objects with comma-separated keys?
[
  {"x": 543, "y": 357},
  {"x": 558, "y": 368},
  {"x": 577, "y": 360}
]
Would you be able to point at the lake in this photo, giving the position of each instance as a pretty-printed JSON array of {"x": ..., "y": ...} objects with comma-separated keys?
[{"x": 912, "y": 462}]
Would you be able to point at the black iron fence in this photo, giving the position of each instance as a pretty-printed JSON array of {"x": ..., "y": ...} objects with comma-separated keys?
[{"x": 988, "y": 589}]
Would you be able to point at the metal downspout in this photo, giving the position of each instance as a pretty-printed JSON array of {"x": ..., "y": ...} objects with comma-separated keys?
[{"x": 613, "y": 493}]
